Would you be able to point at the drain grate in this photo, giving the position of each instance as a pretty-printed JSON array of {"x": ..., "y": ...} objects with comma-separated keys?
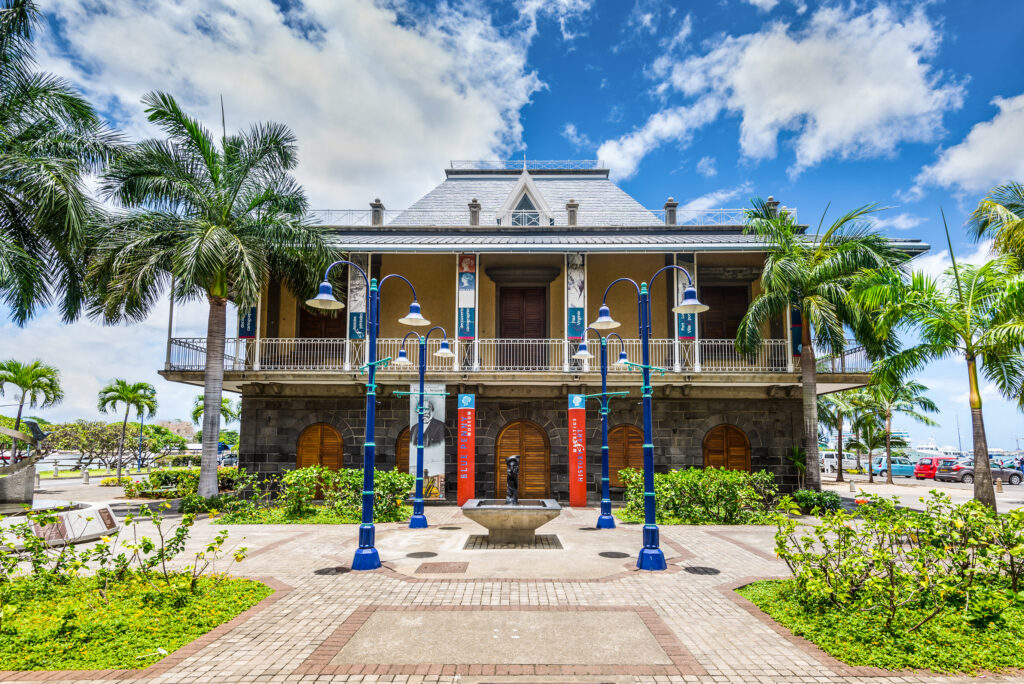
[
  {"x": 439, "y": 568},
  {"x": 332, "y": 571},
  {"x": 450, "y": 527},
  {"x": 701, "y": 570},
  {"x": 478, "y": 542},
  {"x": 613, "y": 554},
  {"x": 420, "y": 554}
]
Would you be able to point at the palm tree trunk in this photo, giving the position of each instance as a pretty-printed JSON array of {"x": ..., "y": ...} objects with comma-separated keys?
[
  {"x": 839, "y": 448},
  {"x": 983, "y": 490},
  {"x": 213, "y": 388},
  {"x": 17, "y": 425},
  {"x": 888, "y": 448},
  {"x": 810, "y": 395},
  {"x": 120, "y": 447}
]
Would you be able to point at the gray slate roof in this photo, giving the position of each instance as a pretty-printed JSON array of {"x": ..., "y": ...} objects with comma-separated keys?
[{"x": 602, "y": 203}]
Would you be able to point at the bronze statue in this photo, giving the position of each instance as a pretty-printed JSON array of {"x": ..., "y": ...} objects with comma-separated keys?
[{"x": 512, "y": 481}]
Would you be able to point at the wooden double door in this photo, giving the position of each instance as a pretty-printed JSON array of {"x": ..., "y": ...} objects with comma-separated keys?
[
  {"x": 522, "y": 317},
  {"x": 625, "y": 450},
  {"x": 528, "y": 441},
  {"x": 319, "y": 445},
  {"x": 726, "y": 446}
]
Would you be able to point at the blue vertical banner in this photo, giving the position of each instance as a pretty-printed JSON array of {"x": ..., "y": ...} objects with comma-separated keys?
[
  {"x": 686, "y": 324},
  {"x": 357, "y": 297},
  {"x": 575, "y": 296},
  {"x": 247, "y": 322},
  {"x": 796, "y": 327},
  {"x": 466, "y": 297}
]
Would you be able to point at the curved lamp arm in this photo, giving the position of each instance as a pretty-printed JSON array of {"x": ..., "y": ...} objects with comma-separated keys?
[
  {"x": 436, "y": 327},
  {"x": 353, "y": 265},
  {"x": 689, "y": 279},
  {"x": 411, "y": 332},
  {"x": 386, "y": 278},
  {"x": 604, "y": 299},
  {"x": 622, "y": 342}
]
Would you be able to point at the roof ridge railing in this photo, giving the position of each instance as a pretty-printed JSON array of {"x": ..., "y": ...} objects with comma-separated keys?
[
  {"x": 584, "y": 217},
  {"x": 530, "y": 164}
]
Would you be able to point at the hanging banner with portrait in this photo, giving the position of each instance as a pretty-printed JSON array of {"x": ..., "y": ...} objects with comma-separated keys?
[
  {"x": 466, "y": 297},
  {"x": 433, "y": 437},
  {"x": 356, "y": 302},
  {"x": 577, "y": 450},
  {"x": 467, "y": 448},
  {"x": 576, "y": 296}
]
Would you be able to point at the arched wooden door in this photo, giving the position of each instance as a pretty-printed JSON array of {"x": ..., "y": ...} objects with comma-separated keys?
[
  {"x": 726, "y": 446},
  {"x": 625, "y": 450},
  {"x": 402, "y": 452},
  {"x": 530, "y": 442},
  {"x": 319, "y": 444}
]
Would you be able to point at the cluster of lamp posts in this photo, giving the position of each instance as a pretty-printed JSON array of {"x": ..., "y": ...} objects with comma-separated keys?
[{"x": 366, "y": 557}]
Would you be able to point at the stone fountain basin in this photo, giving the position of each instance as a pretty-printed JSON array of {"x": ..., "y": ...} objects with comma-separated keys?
[{"x": 511, "y": 524}]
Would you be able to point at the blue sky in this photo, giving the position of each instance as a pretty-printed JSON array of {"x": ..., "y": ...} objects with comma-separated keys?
[{"x": 912, "y": 105}]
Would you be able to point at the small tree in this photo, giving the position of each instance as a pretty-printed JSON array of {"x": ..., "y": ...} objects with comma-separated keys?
[
  {"x": 833, "y": 410},
  {"x": 905, "y": 398},
  {"x": 228, "y": 412},
  {"x": 39, "y": 385},
  {"x": 140, "y": 396}
]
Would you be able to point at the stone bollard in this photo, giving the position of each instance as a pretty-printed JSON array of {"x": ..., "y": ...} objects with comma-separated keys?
[
  {"x": 56, "y": 470},
  {"x": 39, "y": 480},
  {"x": 852, "y": 488},
  {"x": 999, "y": 485},
  {"x": 85, "y": 476}
]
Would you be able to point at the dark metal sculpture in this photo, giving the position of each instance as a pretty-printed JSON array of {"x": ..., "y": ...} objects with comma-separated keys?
[{"x": 512, "y": 481}]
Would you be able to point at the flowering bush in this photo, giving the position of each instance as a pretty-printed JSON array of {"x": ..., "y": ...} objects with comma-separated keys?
[
  {"x": 114, "y": 482},
  {"x": 703, "y": 496}
]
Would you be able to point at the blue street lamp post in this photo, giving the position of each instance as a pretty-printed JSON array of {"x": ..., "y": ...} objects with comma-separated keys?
[
  {"x": 651, "y": 556},
  {"x": 366, "y": 557},
  {"x": 419, "y": 519},
  {"x": 605, "y": 521}
]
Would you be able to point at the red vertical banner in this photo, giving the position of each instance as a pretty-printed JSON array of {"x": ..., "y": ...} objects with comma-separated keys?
[
  {"x": 577, "y": 450},
  {"x": 467, "y": 448}
]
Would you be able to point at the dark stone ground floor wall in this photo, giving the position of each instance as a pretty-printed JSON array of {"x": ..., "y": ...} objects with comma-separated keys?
[{"x": 271, "y": 425}]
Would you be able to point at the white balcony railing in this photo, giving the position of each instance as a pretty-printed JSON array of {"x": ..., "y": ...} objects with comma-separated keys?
[{"x": 496, "y": 356}]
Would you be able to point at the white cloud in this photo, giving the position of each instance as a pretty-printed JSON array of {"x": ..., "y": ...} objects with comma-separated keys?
[
  {"x": 763, "y": 5},
  {"x": 681, "y": 35},
  {"x": 678, "y": 124},
  {"x": 565, "y": 12},
  {"x": 935, "y": 263},
  {"x": 902, "y": 221},
  {"x": 992, "y": 153},
  {"x": 717, "y": 199},
  {"x": 380, "y": 98},
  {"x": 845, "y": 85},
  {"x": 573, "y": 135},
  {"x": 706, "y": 167}
]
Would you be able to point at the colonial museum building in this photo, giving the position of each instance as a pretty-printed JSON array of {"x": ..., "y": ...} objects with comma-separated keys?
[{"x": 512, "y": 259}]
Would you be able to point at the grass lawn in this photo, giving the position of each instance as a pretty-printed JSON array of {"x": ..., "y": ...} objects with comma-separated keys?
[
  {"x": 949, "y": 643},
  {"x": 68, "y": 625},
  {"x": 47, "y": 473},
  {"x": 320, "y": 515}
]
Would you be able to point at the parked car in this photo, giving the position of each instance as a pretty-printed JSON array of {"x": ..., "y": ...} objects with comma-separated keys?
[
  {"x": 229, "y": 460},
  {"x": 926, "y": 467},
  {"x": 963, "y": 471},
  {"x": 901, "y": 466}
]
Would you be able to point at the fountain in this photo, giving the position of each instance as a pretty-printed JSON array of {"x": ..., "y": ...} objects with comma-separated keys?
[{"x": 511, "y": 521}]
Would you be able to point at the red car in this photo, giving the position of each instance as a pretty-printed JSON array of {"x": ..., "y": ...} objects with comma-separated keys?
[{"x": 925, "y": 468}]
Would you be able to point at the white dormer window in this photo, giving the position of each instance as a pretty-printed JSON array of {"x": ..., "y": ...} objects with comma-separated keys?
[{"x": 525, "y": 214}]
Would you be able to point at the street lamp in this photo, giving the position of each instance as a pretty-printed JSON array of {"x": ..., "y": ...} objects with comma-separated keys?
[
  {"x": 651, "y": 556},
  {"x": 605, "y": 521},
  {"x": 366, "y": 557},
  {"x": 418, "y": 519}
]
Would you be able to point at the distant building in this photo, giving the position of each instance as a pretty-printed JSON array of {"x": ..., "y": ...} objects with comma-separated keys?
[{"x": 513, "y": 259}]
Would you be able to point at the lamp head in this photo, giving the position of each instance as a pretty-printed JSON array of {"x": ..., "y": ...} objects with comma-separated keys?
[
  {"x": 604, "y": 319},
  {"x": 690, "y": 303},
  {"x": 445, "y": 352},
  {"x": 325, "y": 299},
  {"x": 623, "y": 359},
  {"x": 414, "y": 317},
  {"x": 582, "y": 352},
  {"x": 403, "y": 358}
]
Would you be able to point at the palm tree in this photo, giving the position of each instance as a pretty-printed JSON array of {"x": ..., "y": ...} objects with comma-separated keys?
[
  {"x": 905, "y": 398},
  {"x": 833, "y": 410},
  {"x": 861, "y": 417},
  {"x": 814, "y": 276},
  {"x": 140, "y": 396},
  {"x": 39, "y": 385},
  {"x": 50, "y": 139},
  {"x": 971, "y": 312},
  {"x": 216, "y": 221},
  {"x": 871, "y": 438},
  {"x": 1001, "y": 216},
  {"x": 228, "y": 412}
]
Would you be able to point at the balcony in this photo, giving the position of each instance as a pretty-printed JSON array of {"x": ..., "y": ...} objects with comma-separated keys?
[{"x": 501, "y": 356}]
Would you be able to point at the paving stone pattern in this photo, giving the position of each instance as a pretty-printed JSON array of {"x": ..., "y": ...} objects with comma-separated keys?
[{"x": 696, "y": 628}]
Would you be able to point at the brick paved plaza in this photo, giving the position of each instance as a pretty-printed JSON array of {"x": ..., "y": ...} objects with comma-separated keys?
[{"x": 439, "y": 612}]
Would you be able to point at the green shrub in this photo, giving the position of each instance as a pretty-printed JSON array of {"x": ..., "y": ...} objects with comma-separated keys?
[
  {"x": 703, "y": 496},
  {"x": 810, "y": 500},
  {"x": 114, "y": 482},
  {"x": 299, "y": 487}
]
